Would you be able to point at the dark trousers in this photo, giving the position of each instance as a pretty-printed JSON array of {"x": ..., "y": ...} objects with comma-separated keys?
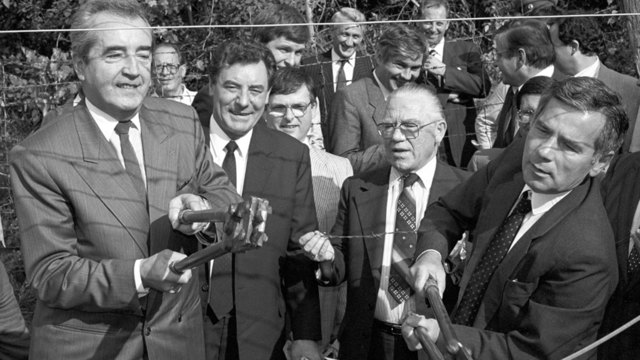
[
  {"x": 386, "y": 346},
  {"x": 220, "y": 335}
]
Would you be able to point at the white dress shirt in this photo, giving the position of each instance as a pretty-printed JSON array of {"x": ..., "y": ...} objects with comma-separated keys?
[
  {"x": 591, "y": 70},
  {"x": 348, "y": 68},
  {"x": 386, "y": 307},
  {"x": 439, "y": 49},
  {"x": 219, "y": 141}
]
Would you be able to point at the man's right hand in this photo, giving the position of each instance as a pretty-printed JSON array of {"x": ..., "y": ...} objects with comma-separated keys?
[
  {"x": 428, "y": 264},
  {"x": 317, "y": 246},
  {"x": 155, "y": 272}
]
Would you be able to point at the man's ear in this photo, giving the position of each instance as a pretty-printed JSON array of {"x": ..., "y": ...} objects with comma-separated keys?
[
  {"x": 182, "y": 70},
  {"x": 441, "y": 129},
  {"x": 78, "y": 66},
  {"x": 602, "y": 164},
  {"x": 575, "y": 46},
  {"x": 522, "y": 57}
]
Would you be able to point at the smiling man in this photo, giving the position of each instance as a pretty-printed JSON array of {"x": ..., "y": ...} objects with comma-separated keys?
[
  {"x": 170, "y": 70},
  {"x": 359, "y": 107},
  {"x": 543, "y": 263},
  {"x": 246, "y": 309},
  {"x": 91, "y": 193},
  {"x": 384, "y": 201}
]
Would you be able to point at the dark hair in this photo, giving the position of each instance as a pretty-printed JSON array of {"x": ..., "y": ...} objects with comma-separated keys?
[
  {"x": 399, "y": 40},
  {"x": 173, "y": 46},
  {"x": 588, "y": 94},
  {"x": 530, "y": 35},
  {"x": 288, "y": 80},
  {"x": 425, "y": 4},
  {"x": 537, "y": 85},
  {"x": 83, "y": 41},
  {"x": 280, "y": 14},
  {"x": 238, "y": 51},
  {"x": 587, "y": 31}
]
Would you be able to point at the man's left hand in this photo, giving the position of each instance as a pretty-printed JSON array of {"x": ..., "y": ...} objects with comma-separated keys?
[
  {"x": 414, "y": 321},
  {"x": 435, "y": 66},
  {"x": 305, "y": 349},
  {"x": 187, "y": 202}
]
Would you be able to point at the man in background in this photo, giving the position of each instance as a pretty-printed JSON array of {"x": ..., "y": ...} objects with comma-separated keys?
[{"x": 170, "y": 70}]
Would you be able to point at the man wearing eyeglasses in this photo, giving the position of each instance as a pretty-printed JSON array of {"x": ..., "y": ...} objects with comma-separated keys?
[
  {"x": 378, "y": 214},
  {"x": 169, "y": 74}
]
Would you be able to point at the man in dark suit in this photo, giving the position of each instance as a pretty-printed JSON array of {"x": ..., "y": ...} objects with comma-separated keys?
[
  {"x": 577, "y": 41},
  {"x": 91, "y": 190},
  {"x": 246, "y": 312},
  {"x": 523, "y": 50},
  {"x": 543, "y": 261},
  {"x": 454, "y": 69},
  {"x": 342, "y": 64},
  {"x": 621, "y": 194},
  {"x": 412, "y": 129},
  {"x": 358, "y": 108}
]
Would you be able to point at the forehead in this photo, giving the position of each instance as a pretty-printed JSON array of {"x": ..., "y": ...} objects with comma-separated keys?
[
  {"x": 282, "y": 42},
  {"x": 122, "y": 30},
  {"x": 570, "y": 123},
  {"x": 434, "y": 12},
  {"x": 410, "y": 106},
  {"x": 404, "y": 59},
  {"x": 165, "y": 52},
  {"x": 299, "y": 96},
  {"x": 352, "y": 29},
  {"x": 245, "y": 74}
]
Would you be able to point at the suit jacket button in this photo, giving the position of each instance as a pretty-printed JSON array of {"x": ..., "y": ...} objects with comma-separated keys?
[
  {"x": 205, "y": 287},
  {"x": 147, "y": 331}
]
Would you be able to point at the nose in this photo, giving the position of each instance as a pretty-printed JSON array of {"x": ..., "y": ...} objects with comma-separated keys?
[
  {"x": 131, "y": 66},
  {"x": 406, "y": 74},
  {"x": 243, "y": 98},
  {"x": 545, "y": 151},
  {"x": 288, "y": 114},
  {"x": 348, "y": 41},
  {"x": 397, "y": 135},
  {"x": 290, "y": 60}
]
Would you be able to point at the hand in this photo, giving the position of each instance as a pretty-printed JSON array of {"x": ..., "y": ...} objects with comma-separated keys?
[
  {"x": 155, "y": 272},
  {"x": 187, "y": 202},
  {"x": 428, "y": 264},
  {"x": 411, "y": 323},
  {"x": 305, "y": 349},
  {"x": 317, "y": 246},
  {"x": 434, "y": 66}
]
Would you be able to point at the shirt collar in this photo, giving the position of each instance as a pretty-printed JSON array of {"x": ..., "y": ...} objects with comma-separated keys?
[
  {"x": 385, "y": 92},
  {"x": 541, "y": 203},
  {"x": 219, "y": 140},
  {"x": 548, "y": 72},
  {"x": 425, "y": 173},
  {"x": 591, "y": 70},
  {"x": 439, "y": 48},
  {"x": 106, "y": 123},
  {"x": 335, "y": 57}
]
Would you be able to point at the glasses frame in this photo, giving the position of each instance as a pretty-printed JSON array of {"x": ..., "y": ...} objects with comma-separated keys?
[
  {"x": 520, "y": 114},
  {"x": 173, "y": 68},
  {"x": 406, "y": 133},
  {"x": 287, "y": 108}
]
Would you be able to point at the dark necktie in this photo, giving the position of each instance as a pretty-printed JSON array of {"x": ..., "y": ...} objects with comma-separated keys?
[
  {"x": 498, "y": 248},
  {"x": 342, "y": 77},
  {"x": 404, "y": 239},
  {"x": 433, "y": 78},
  {"x": 221, "y": 287},
  {"x": 633, "y": 263},
  {"x": 507, "y": 120},
  {"x": 130, "y": 160}
]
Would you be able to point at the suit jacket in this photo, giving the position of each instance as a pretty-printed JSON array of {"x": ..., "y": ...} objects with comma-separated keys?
[
  {"x": 629, "y": 91},
  {"x": 354, "y": 115},
  {"x": 547, "y": 297},
  {"x": 203, "y": 103},
  {"x": 82, "y": 227},
  {"x": 621, "y": 193},
  {"x": 278, "y": 169},
  {"x": 465, "y": 76},
  {"x": 328, "y": 172},
  {"x": 362, "y": 211},
  {"x": 321, "y": 71},
  {"x": 14, "y": 335}
]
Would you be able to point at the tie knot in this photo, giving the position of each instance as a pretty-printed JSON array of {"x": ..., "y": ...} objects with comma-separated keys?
[
  {"x": 410, "y": 179},
  {"x": 524, "y": 205},
  {"x": 231, "y": 147},
  {"x": 123, "y": 127}
]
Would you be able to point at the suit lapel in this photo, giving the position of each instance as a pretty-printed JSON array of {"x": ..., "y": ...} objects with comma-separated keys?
[
  {"x": 371, "y": 206},
  {"x": 258, "y": 164},
  {"x": 106, "y": 177},
  {"x": 376, "y": 100},
  {"x": 624, "y": 222},
  {"x": 326, "y": 74}
]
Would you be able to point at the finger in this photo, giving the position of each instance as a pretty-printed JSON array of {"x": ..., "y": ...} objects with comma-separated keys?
[
  {"x": 306, "y": 237},
  {"x": 185, "y": 277}
]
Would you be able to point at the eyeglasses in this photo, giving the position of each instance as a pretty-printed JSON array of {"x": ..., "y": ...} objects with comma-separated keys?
[
  {"x": 172, "y": 68},
  {"x": 297, "y": 110},
  {"x": 525, "y": 116},
  {"x": 408, "y": 130}
]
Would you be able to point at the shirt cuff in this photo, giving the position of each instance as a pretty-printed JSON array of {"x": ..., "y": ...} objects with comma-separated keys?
[
  {"x": 142, "y": 291},
  {"x": 427, "y": 252}
]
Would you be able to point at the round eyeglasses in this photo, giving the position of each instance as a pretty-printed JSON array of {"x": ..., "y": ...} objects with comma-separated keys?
[
  {"x": 297, "y": 110},
  {"x": 409, "y": 130},
  {"x": 171, "y": 68}
]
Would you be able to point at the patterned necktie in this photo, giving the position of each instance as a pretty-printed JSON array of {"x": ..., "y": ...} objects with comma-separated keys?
[
  {"x": 633, "y": 263},
  {"x": 404, "y": 239},
  {"x": 498, "y": 248},
  {"x": 342, "y": 77},
  {"x": 221, "y": 287},
  {"x": 130, "y": 159}
]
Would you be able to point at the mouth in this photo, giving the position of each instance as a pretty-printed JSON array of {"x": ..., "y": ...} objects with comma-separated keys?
[{"x": 128, "y": 86}]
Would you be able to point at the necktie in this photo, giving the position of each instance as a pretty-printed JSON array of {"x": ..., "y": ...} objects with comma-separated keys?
[
  {"x": 221, "y": 287},
  {"x": 498, "y": 248},
  {"x": 633, "y": 263},
  {"x": 507, "y": 120},
  {"x": 435, "y": 79},
  {"x": 131, "y": 164},
  {"x": 342, "y": 77},
  {"x": 404, "y": 240}
]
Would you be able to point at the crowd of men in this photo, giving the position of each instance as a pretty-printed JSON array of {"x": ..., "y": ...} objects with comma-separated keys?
[{"x": 363, "y": 161}]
